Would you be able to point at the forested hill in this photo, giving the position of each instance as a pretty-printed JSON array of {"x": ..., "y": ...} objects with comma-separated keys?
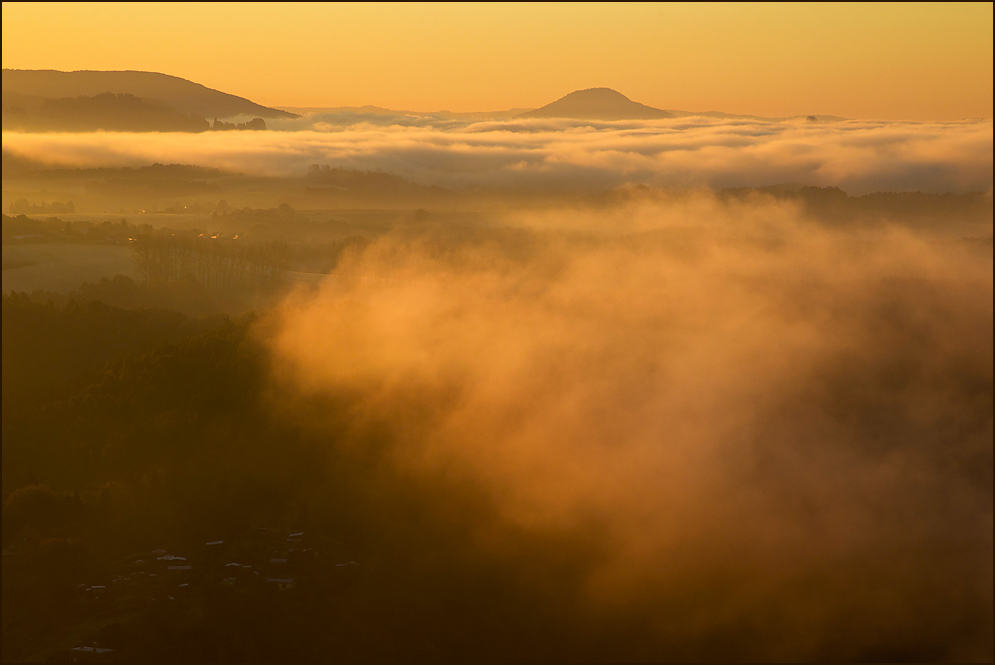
[
  {"x": 107, "y": 111},
  {"x": 25, "y": 86}
]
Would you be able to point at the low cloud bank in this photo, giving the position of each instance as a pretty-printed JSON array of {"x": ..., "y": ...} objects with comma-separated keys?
[
  {"x": 779, "y": 436},
  {"x": 563, "y": 155}
]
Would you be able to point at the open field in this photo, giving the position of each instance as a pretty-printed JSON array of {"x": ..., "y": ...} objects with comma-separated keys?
[{"x": 63, "y": 267}]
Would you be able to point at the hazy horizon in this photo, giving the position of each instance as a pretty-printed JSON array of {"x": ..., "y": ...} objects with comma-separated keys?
[{"x": 869, "y": 61}]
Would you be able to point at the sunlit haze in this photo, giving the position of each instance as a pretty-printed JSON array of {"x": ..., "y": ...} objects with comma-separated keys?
[
  {"x": 875, "y": 61},
  {"x": 407, "y": 333}
]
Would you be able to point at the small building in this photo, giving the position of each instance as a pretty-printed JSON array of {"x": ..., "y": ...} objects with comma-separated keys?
[{"x": 284, "y": 584}]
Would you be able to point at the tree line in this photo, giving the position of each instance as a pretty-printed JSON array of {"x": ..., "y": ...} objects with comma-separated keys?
[{"x": 212, "y": 261}]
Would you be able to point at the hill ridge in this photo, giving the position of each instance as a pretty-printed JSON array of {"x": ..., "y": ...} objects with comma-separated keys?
[{"x": 181, "y": 94}]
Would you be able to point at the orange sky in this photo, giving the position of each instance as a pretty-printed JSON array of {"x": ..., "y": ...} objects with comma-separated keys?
[{"x": 920, "y": 62}]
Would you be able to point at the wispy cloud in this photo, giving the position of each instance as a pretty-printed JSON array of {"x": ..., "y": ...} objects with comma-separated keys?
[{"x": 748, "y": 419}]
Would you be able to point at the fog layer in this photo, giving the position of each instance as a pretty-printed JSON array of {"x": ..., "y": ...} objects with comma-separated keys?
[
  {"x": 778, "y": 437},
  {"x": 859, "y": 156}
]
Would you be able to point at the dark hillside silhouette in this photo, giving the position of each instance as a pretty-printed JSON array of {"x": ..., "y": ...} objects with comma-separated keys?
[
  {"x": 184, "y": 96},
  {"x": 596, "y": 104},
  {"x": 106, "y": 111},
  {"x": 113, "y": 112}
]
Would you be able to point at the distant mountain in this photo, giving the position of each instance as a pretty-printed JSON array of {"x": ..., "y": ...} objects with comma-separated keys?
[
  {"x": 30, "y": 87},
  {"x": 607, "y": 104},
  {"x": 596, "y": 104}
]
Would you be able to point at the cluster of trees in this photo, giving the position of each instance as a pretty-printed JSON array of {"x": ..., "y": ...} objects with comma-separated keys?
[
  {"x": 23, "y": 207},
  {"x": 256, "y": 124},
  {"x": 212, "y": 261}
]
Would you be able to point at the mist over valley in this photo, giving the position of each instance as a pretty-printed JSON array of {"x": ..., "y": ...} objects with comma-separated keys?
[{"x": 585, "y": 380}]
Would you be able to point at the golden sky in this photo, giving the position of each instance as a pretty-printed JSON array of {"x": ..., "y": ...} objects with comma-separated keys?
[{"x": 887, "y": 61}]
